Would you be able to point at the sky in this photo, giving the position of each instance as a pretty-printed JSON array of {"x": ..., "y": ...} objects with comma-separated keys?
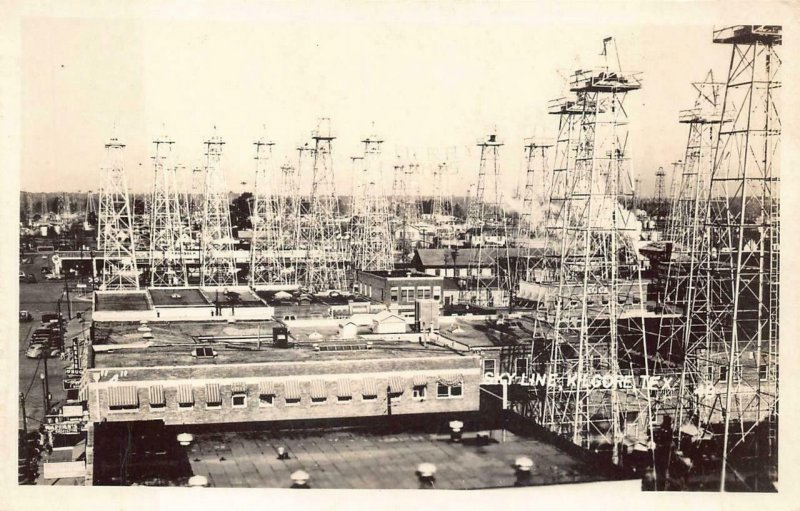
[{"x": 429, "y": 84}]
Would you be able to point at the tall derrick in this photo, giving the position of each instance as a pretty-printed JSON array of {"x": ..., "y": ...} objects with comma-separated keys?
[
  {"x": 490, "y": 270},
  {"x": 115, "y": 236},
  {"x": 266, "y": 224},
  {"x": 217, "y": 263},
  {"x": 371, "y": 241},
  {"x": 740, "y": 267},
  {"x": 535, "y": 205},
  {"x": 322, "y": 236},
  {"x": 167, "y": 263},
  {"x": 599, "y": 286}
]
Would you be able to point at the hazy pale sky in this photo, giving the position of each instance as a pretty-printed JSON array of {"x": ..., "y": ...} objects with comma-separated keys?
[{"x": 432, "y": 83}]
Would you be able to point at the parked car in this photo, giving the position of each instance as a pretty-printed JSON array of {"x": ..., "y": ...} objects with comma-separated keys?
[
  {"x": 45, "y": 270},
  {"x": 25, "y": 316},
  {"x": 35, "y": 351}
]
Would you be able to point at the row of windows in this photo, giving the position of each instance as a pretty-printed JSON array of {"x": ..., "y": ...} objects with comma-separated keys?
[
  {"x": 520, "y": 366},
  {"x": 410, "y": 293},
  {"x": 462, "y": 272},
  {"x": 239, "y": 399}
]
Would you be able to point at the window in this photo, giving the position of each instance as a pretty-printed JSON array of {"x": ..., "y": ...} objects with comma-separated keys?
[
  {"x": 448, "y": 391},
  {"x": 368, "y": 397},
  {"x": 393, "y": 295},
  {"x": 426, "y": 293},
  {"x": 489, "y": 367},
  {"x": 521, "y": 366},
  {"x": 418, "y": 392},
  {"x": 157, "y": 406},
  {"x": 124, "y": 407},
  {"x": 723, "y": 373},
  {"x": 344, "y": 399},
  {"x": 204, "y": 352},
  {"x": 407, "y": 294},
  {"x": 239, "y": 401},
  {"x": 213, "y": 396},
  {"x": 266, "y": 400},
  {"x": 318, "y": 400},
  {"x": 185, "y": 405},
  {"x": 214, "y": 405},
  {"x": 292, "y": 401},
  {"x": 763, "y": 373},
  {"x": 437, "y": 292}
]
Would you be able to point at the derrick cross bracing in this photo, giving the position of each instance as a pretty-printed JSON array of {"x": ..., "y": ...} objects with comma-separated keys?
[
  {"x": 684, "y": 304},
  {"x": 115, "y": 235},
  {"x": 217, "y": 263},
  {"x": 371, "y": 238},
  {"x": 274, "y": 221},
  {"x": 166, "y": 257},
  {"x": 592, "y": 314},
  {"x": 740, "y": 268},
  {"x": 534, "y": 210},
  {"x": 490, "y": 273},
  {"x": 323, "y": 240}
]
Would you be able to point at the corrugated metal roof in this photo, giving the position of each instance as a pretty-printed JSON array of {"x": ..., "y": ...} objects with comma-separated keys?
[
  {"x": 123, "y": 395},
  {"x": 185, "y": 395},
  {"x": 343, "y": 388},
  {"x": 318, "y": 389},
  {"x": 156, "y": 395},
  {"x": 212, "y": 394},
  {"x": 292, "y": 389}
]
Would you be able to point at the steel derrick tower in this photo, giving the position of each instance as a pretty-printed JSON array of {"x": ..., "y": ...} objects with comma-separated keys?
[
  {"x": 535, "y": 203},
  {"x": 322, "y": 236},
  {"x": 371, "y": 241},
  {"x": 684, "y": 303},
  {"x": 167, "y": 263},
  {"x": 741, "y": 266},
  {"x": 598, "y": 287},
  {"x": 115, "y": 225},
  {"x": 490, "y": 270},
  {"x": 217, "y": 263},
  {"x": 266, "y": 223}
]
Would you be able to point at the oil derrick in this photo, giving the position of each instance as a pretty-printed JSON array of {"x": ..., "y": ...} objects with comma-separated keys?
[
  {"x": 406, "y": 191},
  {"x": 660, "y": 193},
  {"x": 43, "y": 204},
  {"x": 677, "y": 173},
  {"x": 371, "y": 241},
  {"x": 167, "y": 263},
  {"x": 593, "y": 316},
  {"x": 322, "y": 238},
  {"x": 269, "y": 241},
  {"x": 66, "y": 209},
  {"x": 682, "y": 301},
  {"x": 89, "y": 210},
  {"x": 29, "y": 208},
  {"x": 741, "y": 264},
  {"x": 490, "y": 270},
  {"x": 217, "y": 263},
  {"x": 287, "y": 210},
  {"x": 534, "y": 204},
  {"x": 115, "y": 225}
]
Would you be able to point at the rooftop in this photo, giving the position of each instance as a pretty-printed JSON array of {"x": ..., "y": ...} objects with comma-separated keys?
[
  {"x": 121, "y": 301},
  {"x": 372, "y": 457},
  {"x": 173, "y": 343},
  {"x": 399, "y": 273},
  {"x": 485, "y": 333},
  {"x": 185, "y": 296}
]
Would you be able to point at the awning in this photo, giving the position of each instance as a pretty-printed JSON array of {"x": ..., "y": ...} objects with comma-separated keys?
[
  {"x": 123, "y": 395},
  {"x": 343, "y": 388},
  {"x": 266, "y": 388},
  {"x": 420, "y": 380},
  {"x": 396, "y": 385},
  {"x": 212, "y": 394},
  {"x": 318, "y": 389},
  {"x": 451, "y": 380},
  {"x": 157, "y": 395},
  {"x": 292, "y": 389},
  {"x": 83, "y": 393},
  {"x": 238, "y": 387},
  {"x": 369, "y": 387},
  {"x": 185, "y": 396}
]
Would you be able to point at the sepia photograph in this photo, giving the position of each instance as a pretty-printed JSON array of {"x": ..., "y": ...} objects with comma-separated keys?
[{"x": 519, "y": 247}]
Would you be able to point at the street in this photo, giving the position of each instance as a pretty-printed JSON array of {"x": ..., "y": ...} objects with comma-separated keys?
[{"x": 41, "y": 298}]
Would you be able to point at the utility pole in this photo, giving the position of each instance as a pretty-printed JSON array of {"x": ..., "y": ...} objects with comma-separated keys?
[{"x": 24, "y": 414}]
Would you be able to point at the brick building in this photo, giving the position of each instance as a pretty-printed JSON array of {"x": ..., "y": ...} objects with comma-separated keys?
[{"x": 399, "y": 289}]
